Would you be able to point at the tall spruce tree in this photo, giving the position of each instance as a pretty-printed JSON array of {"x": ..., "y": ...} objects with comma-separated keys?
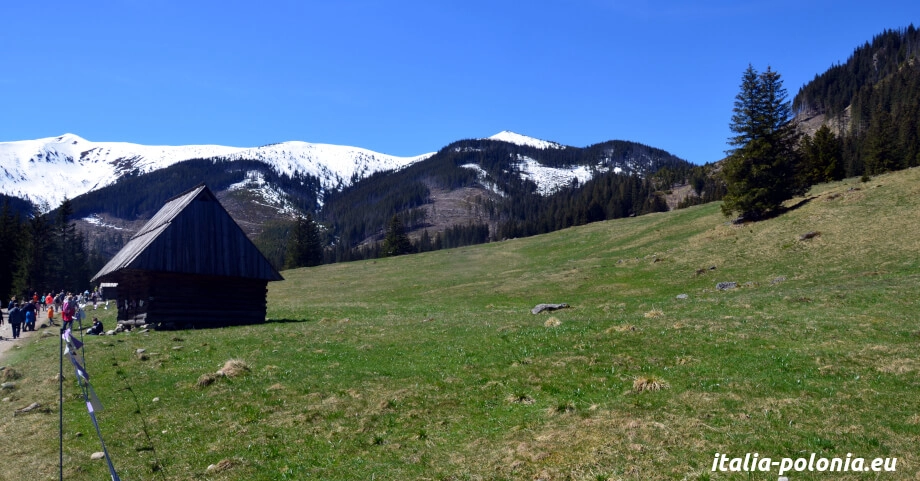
[
  {"x": 760, "y": 171},
  {"x": 12, "y": 243},
  {"x": 396, "y": 242},
  {"x": 305, "y": 248},
  {"x": 821, "y": 157},
  {"x": 69, "y": 260}
]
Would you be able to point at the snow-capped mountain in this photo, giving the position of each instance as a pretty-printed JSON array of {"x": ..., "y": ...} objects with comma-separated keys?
[
  {"x": 548, "y": 179},
  {"x": 518, "y": 139},
  {"x": 469, "y": 183},
  {"x": 45, "y": 171}
]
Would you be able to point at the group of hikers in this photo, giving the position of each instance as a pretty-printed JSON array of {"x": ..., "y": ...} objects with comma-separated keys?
[{"x": 23, "y": 314}]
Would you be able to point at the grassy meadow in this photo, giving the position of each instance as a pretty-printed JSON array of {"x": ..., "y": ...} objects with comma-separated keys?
[{"x": 432, "y": 367}]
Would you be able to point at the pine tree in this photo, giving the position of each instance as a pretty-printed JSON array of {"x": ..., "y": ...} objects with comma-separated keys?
[
  {"x": 396, "y": 242},
  {"x": 821, "y": 157},
  {"x": 881, "y": 148},
  {"x": 424, "y": 243},
  {"x": 11, "y": 244},
  {"x": 760, "y": 171},
  {"x": 305, "y": 249}
]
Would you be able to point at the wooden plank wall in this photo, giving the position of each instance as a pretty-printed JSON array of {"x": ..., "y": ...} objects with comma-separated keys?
[{"x": 189, "y": 301}]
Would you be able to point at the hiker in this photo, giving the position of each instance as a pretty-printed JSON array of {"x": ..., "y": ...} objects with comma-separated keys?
[
  {"x": 67, "y": 313},
  {"x": 97, "y": 328},
  {"x": 49, "y": 300},
  {"x": 51, "y": 314},
  {"x": 29, "y": 315},
  {"x": 16, "y": 318}
]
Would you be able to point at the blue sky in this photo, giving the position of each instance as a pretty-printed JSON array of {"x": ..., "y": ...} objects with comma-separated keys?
[{"x": 408, "y": 77}]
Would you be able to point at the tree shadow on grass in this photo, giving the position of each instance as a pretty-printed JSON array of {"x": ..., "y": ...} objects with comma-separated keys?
[
  {"x": 773, "y": 213},
  {"x": 285, "y": 321}
]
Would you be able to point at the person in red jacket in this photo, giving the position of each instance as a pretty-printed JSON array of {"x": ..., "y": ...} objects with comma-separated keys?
[{"x": 67, "y": 312}]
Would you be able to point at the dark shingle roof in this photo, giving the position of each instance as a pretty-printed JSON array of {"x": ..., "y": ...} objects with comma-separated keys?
[{"x": 193, "y": 234}]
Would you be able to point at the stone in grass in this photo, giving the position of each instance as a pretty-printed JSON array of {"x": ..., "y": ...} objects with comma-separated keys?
[
  {"x": 724, "y": 286},
  {"x": 683, "y": 296},
  {"x": 97, "y": 455},
  {"x": 8, "y": 385},
  {"x": 547, "y": 307},
  {"x": 29, "y": 408}
]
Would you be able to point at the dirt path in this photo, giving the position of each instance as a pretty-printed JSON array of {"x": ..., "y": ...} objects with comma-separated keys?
[{"x": 6, "y": 330}]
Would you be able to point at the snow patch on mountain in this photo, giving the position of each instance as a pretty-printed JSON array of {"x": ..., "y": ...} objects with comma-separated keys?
[
  {"x": 45, "y": 171},
  {"x": 548, "y": 179},
  {"x": 98, "y": 222},
  {"x": 551, "y": 179},
  {"x": 518, "y": 139},
  {"x": 483, "y": 178},
  {"x": 255, "y": 183}
]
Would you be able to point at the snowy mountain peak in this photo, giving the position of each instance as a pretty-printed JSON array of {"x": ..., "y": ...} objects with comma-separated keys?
[
  {"x": 518, "y": 139},
  {"x": 44, "y": 171}
]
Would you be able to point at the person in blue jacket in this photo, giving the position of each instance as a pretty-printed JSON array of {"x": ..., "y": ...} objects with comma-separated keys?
[
  {"x": 29, "y": 310},
  {"x": 17, "y": 316}
]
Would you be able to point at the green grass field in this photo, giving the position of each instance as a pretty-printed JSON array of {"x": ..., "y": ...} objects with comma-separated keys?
[{"x": 432, "y": 366}]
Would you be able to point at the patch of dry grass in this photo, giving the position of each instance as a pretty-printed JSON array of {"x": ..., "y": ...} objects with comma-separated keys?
[
  {"x": 221, "y": 466},
  {"x": 622, "y": 328},
  {"x": 649, "y": 383},
  {"x": 234, "y": 368},
  {"x": 9, "y": 374},
  {"x": 206, "y": 380}
]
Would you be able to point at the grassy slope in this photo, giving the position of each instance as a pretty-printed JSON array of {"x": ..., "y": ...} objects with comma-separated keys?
[{"x": 432, "y": 367}]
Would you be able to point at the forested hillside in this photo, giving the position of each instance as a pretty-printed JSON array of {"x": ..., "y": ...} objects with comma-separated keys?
[
  {"x": 871, "y": 103},
  {"x": 501, "y": 202},
  {"x": 16, "y": 205},
  {"x": 471, "y": 191}
]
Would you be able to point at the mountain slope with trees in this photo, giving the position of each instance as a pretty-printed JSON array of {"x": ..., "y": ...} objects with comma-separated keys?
[
  {"x": 501, "y": 199},
  {"x": 871, "y": 104},
  {"x": 471, "y": 191}
]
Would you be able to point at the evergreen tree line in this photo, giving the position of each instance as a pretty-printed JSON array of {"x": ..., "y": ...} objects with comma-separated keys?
[
  {"x": 873, "y": 101},
  {"x": 43, "y": 253},
  {"x": 833, "y": 91},
  {"x": 771, "y": 160},
  {"x": 606, "y": 196}
]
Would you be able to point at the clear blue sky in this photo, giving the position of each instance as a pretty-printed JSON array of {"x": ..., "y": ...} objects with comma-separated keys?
[{"x": 409, "y": 77}]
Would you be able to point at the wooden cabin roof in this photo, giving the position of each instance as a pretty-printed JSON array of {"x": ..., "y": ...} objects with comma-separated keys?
[{"x": 193, "y": 234}]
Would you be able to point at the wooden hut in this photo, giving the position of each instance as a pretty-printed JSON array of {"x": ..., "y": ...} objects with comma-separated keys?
[{"x": 191, "y": 265}]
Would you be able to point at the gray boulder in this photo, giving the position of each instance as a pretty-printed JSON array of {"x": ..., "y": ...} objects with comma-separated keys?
[{"x": 547, "y": 307}]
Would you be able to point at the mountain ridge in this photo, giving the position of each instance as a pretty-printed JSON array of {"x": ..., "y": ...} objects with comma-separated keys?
[{"x": 85, "y": 165}]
